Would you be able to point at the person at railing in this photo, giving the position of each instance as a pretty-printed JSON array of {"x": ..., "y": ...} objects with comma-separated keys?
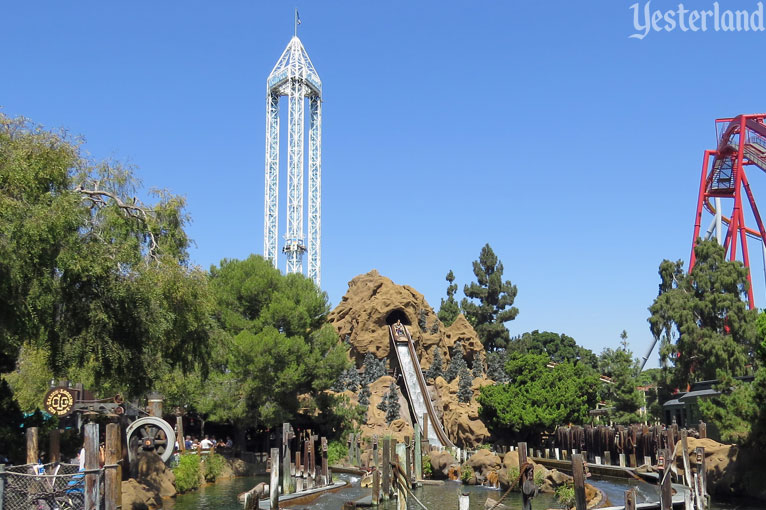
[{"x": 206, "y": 444}]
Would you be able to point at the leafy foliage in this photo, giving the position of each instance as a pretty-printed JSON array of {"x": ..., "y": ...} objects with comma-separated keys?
[
  {"x": 565, "y": 495},
  {"x": 620, "y": 365},
  {"x": 701, "y": 319},
  {"x": 494, "y": 301},
  {"x": 449, "y": 308},
  {"x": 90, "y": 273},
  {"x": 213, "y": 465},
  {"x": 187, "y": 472},
  {"x": 466, "y": 473},
  {"x": 559, "y": 347},
  {"x": 336, "y": 452},
  {"x": 538, "y": 398}
]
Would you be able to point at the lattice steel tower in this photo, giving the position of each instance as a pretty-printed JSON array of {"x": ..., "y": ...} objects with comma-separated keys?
[{"x": 294, "y": 76}]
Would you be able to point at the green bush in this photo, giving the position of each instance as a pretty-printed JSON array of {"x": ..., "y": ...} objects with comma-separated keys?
[
  {"x": 565, "y": 494},
  {"x": 336, "y": 451},
  {"x": 539, "y": 478},
  {"x": 213, "y": 466},
  {"x": 513, "y": 477},
  {"x": 428, "y": 469},
  {"x": 466, "y": 473},
  {"x": 187, "y": 472}
]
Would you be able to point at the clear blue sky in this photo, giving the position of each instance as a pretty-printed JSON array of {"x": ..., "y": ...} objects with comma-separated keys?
[{"x": 539, "y": 127}]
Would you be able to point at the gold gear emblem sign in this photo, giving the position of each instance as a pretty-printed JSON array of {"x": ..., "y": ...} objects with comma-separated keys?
[{"x": 59, "y": 402}]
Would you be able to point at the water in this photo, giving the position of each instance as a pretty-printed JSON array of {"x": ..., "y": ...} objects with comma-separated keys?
[
  {"x": 418, "y": 401},
  {"x": 223, "y": 496}
]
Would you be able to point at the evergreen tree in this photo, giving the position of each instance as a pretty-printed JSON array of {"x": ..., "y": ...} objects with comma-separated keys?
[
  {"x": 496, "y": 366},
  {"x": 392, "y": 404},
  {"x": 383, "y": 404},
  {"x": 456, "y": 363},
  {"x": 374, "y": 369},
  {"x": 352, "y": 379},
  {"x": 478, "y": 366},
  {"x": 464, "y": 392},
  {"x": 364, "y": 395},
  {"x": 494, "y": 296},
  {"x": 622, "y": 394},
  {"x": 437, "y": 366},
  {"x": 422, "y": 320},
  {"x": 701, "y": 318},
  {"x": 449, "y": 308}
]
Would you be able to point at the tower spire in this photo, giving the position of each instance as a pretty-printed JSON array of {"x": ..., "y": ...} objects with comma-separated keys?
[{"x": 294, "y": 76}]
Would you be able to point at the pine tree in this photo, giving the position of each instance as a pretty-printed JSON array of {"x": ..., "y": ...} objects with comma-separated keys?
[
  {"x": 352, "y": 379},
  {"x": 364, "y": 395},
  {"x": 423, "y": 321},
  {"x": 374, "y": 369},
  {"x": 392, "y": 404},
  {"x": 478, "y": 365},
  {"x": 449, "y": 308},
  {"x": 464, "y": 392},
  {"x": 437, "y": 366},
  {"x": 496, "y": 366},
  {"x": 383, "y": 404},
  {"x": 494, "y": 296},
  {"x": 456, "y": 363}
]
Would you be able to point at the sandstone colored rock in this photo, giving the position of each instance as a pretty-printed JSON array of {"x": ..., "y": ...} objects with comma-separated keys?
[
  {"x": 137, "y": 496},
  {"x": 153, "y": 473},
  {"x": 441, "y": 462},
  {"x": 483, "y": 462},
  {"x": 374, "y": 301},
  {"x": 461, "y": 420}
]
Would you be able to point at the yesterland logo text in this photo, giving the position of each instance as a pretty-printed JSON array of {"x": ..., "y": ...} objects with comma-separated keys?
[{"x": 715, "y": 19}]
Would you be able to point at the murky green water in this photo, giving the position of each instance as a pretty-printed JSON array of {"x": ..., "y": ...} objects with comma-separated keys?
[{"x": 223, "y": 496}]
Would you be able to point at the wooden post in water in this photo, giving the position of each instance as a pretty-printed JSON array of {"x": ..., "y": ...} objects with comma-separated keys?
[
  {"x": 33, "y": 450},
  {"x": 325, "y": 467},
  {"x": 350, "y": 444},
  {"x": 702, "y": 428},
  {"x": 386, "y": 468},
  {"x": 463, "y": 501},
  {"x": 298, "y": 467},
  {"x": 425, "y": 426},
  {"x": 522, "y": 453},
  {"x": 408, "y": 460},
  {"x": 630, "y": 499},
  {"x": 54, "y": 445},
  {"x": 376, "y": 487},
  {"x": 666, "y": 500},
  {"x": 578, "y": 474},
  {"x": 91, "y": 463},
  {"x": 180, "y": 431},
  {"x": 702, "y": 473},
  {"x": 687, "y": 466},
  {"x": 358, "y": 451},
  {"x": 274, "y": 479},
  {"x": 418, "y": 452},
  {"x": 112, "y": 468},
  {"x": 286, "y": 458},
  {"x": 607, "y": 458},
  {"x": 313, "y": 459},
  {"x": 375, "y": 460}
]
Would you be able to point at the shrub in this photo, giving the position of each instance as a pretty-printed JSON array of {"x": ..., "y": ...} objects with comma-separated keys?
[
  {"x": 428, "y": 469},
  {"x": 187, "y": 472},
  {"x": 213, "y": 466},
  {"x": 513, "y": 477},
  {"x": 335, "y": 452},
  {"x": 466, "y": 473},
  {"x": 539, "y": 478},
  {"x": 565, "y": 495}
]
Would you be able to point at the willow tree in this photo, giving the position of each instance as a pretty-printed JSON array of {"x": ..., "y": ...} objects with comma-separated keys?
[{"x": 89, "y": 272}]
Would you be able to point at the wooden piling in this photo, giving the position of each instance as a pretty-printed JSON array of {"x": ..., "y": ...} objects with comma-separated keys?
[
  {"x": 286, "y": 479},
  {"x": 630, "y": 499},
  {"x": 376, "y": 487},
  {"x": 325, "y": 467},
  {"x": 54, "y": 445},
  {"x": 578, "y": 474},
  {"x": 33, "y": 449},
  {"x": 386, "y": 468},
  {"x": 666, "y": 500},
  {"x": 408, "y": 461},
  {"x": 91, "y": 463},
  {"x": 607, "y": 458},
  {"x": 274, "y": 479},
  {"x": 702, "y": 428},
  {"x": 687, "y": 466},
  {"x": 375, "y": 460},
  {"x": 522, "y": 453},
  {"x": 418, "y": 455},
  {"x": 112, "y": 468},
  {"x": 702, "y": 472},
  {"x": 350, "y": 443}
]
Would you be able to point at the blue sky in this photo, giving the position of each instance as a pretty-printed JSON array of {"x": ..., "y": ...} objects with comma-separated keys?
[{"x": 541, "y": 128}]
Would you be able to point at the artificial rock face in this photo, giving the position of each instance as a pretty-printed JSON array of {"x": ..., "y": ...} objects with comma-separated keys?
[{"x": 371, "y": 303}]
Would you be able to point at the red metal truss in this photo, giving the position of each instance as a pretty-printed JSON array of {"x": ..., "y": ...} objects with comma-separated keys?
[{"x": 741, "y": 143}]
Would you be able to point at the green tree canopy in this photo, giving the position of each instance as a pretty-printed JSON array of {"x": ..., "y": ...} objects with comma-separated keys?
[
  {"x": 89, "y": 273},
  {"x": 559, "y": 347},
  {"x": 449, "y": 308},
  {"x": 701, "y": 318},
  {"x": 277, "y": 343},
  {"x": 489, "y": 301},
  {"x": 622, "y": 395},
  {"x": 538, "y": 398}
]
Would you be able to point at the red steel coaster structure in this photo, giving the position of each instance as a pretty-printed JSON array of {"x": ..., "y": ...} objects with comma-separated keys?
[{"x": 741, "y": 143}]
